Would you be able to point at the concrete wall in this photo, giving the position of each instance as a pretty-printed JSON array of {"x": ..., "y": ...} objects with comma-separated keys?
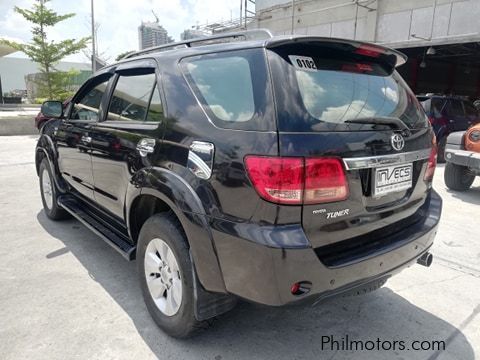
[
  {"x": 393, "y": 22},
  {"x": 14, "y": 69},
  {"x": 20, "y": 125}
]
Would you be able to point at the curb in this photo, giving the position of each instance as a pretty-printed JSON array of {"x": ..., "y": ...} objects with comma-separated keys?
[{"x": 21, "y": 125}]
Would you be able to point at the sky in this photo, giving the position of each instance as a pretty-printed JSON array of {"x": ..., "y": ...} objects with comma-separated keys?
[{"x": 118, "y": 20}]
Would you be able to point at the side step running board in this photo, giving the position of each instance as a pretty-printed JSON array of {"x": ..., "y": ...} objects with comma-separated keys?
[{"x": 74, "y": 207}]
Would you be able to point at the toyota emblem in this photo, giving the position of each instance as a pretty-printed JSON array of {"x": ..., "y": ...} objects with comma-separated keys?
[{"x": 398, "y": 142}]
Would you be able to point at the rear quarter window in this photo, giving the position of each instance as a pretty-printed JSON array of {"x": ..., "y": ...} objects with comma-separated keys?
[{"x": 232, "y": 88}]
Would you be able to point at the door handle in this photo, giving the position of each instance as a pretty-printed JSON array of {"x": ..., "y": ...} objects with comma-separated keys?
[
  {"x": 86, "y": 139},
  {"x": 146, "y": 146}
]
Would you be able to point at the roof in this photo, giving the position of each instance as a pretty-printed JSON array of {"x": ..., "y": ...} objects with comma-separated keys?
[{"x": 259, "y": 38}]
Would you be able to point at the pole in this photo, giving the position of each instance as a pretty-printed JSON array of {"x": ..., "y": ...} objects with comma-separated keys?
[
  {"x": 1, "y": 91},
  {"x": 356, "y": 19},
  {"x": 433, "y": 18},
  {"x": 293, "y": 15},
  {"x": 241, "y": 9},
  {"x": 93, "y": 41}
]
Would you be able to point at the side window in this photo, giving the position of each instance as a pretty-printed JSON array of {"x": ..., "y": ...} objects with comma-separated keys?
[
  {"x": 232, "y": 88},
  {"x": 155, "y": 110},
  {"x": 131, "y": 97},
  {"x": 436, "y": 107},
  {"x": 470, "y": 109},
  {"x": 455, "y": 108},
  {"x": 87, "y": 107},
  {"x": 226, "y": 86}
]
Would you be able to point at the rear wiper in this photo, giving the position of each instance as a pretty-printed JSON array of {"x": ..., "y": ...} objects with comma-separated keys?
[{"x": 382, "y": 120}]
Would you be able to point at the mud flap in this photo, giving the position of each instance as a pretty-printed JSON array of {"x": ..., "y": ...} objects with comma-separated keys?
[{"x": 207, "y": 304}]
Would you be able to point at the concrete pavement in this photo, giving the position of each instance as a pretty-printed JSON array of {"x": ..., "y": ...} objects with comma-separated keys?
[{"x": 65, "y": 294}]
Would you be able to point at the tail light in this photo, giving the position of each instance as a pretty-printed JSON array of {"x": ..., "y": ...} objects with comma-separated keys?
[
  {"x": 279, "y": 180},
  {"x": 290, "y": 180},
  {"x": 432, "y": 163},
  {"x": 325, "y": 181},
  {"x": 437, "y": 121}
]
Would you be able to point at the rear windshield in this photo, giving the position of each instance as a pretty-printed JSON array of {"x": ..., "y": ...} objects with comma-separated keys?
[{"x": 325, "y": 89}]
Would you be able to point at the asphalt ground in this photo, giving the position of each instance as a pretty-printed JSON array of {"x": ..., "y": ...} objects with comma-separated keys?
[{"x": 65, "y": 294}]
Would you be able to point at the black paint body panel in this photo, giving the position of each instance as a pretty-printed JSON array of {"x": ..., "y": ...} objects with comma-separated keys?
[{"x": 239, "y": 243}]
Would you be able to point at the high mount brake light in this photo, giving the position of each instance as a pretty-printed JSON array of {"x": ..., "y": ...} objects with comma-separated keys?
[
  {"x": 357, "y": 67},
  {"x": 369, "y": 50},
  {"x": 294, "y": 180}
]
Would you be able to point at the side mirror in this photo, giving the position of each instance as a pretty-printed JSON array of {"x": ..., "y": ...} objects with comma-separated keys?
[{"x": 52, "y": 109}]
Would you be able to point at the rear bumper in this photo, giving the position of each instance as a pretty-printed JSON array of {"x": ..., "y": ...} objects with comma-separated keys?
[
  {"x": 265, "y": 274},
  {"x": 466, "y": 158}
]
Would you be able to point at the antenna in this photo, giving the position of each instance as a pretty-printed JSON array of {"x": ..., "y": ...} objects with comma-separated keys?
[{"x": 156, "y": 17}]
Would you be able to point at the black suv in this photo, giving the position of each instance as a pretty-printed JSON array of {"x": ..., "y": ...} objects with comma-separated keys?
[
  {"x": 448, "y": 114},
  {"x": 271, "y": 169}
]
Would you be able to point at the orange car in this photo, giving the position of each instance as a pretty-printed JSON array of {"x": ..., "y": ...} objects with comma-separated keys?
[
  {"x": 462, "y": 154},
  {"x": 472, "y": 139}
]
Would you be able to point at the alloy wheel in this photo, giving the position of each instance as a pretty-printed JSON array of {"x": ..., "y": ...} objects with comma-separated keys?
[{"x": 163, "y": 277}]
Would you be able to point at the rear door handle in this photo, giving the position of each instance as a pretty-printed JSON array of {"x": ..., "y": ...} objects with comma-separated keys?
[{"x": 146, "y": 146}]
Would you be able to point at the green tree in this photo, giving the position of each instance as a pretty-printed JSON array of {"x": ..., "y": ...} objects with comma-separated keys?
[{"x": 46, "y": 53}]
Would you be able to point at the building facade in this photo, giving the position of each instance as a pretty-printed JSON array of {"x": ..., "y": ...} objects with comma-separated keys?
[
  {"x": 188, "y": 34},
  {"x": 450, "y": 27},
  {"x": 396, "y": 23},
  {"x": 152, "y": 34}
]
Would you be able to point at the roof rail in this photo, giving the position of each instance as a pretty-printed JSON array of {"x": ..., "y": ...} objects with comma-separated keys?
[{"x": 256, "y": 34}]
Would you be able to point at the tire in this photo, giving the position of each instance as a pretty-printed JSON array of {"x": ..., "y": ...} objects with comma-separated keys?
[
  {"x": 442, "y": 143},
  {"x": 172, "y": 312},
  {"x": 49, "y": 193},
  {"x": 458, "y": 177}
]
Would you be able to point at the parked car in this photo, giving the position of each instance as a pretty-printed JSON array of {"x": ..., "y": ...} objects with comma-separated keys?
[
  {"x": 41, "y": 119},
  {"x": 270, "y": 169},
  {"x": 448, "y": 114},
  {"x": 463, "y": 159}
]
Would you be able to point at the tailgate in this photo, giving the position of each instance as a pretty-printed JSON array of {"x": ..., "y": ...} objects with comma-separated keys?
[
  {"x": 365, "y": 210},
  {"x": 345, "y": 100}
]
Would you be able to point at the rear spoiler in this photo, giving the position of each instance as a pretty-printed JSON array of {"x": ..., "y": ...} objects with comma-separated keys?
[{"x": 359, "y": 47}]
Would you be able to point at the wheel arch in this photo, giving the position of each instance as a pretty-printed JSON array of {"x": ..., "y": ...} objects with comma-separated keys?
[
  {"x": 456, "y": 139},
  {"x": 159, "y": 190},
  {"x": 46, "y": 149}
]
